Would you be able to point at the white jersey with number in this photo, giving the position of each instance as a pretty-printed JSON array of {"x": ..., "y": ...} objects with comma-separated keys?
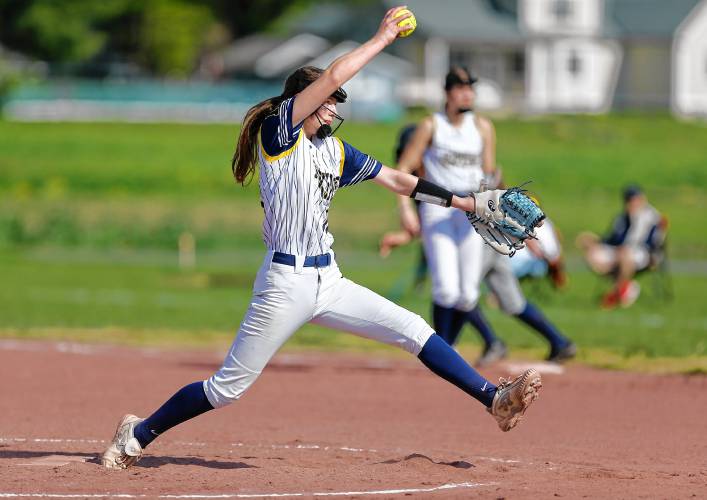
[
  {"x": 454, "y": 158},
  {"x": 298, "y": 179}
]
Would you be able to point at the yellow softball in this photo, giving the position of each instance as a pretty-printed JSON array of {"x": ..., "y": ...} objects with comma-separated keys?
[{"x": 410, "y": 21}]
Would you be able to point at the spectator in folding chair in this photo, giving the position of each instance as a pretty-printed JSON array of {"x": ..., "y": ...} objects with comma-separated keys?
[{"x": 630, "y": 247}]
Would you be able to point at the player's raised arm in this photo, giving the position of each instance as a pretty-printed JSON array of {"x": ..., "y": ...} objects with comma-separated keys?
[{"x": 345, "y": 67}]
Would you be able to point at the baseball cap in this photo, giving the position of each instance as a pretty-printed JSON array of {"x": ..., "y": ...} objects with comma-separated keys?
[
  {"x": 631, "y": 191},
  {"x": 458, "y": 75}
]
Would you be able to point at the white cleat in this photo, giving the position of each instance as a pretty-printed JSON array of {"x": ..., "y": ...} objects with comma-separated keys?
[
  {"x": 124, "y": 451},
  {"x": 514, "y": 397}
]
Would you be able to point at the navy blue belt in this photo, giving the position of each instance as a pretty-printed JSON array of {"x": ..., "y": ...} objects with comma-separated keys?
[{"x": 311, "y": 261}]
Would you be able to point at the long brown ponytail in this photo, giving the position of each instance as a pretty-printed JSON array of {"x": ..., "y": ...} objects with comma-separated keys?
[{"x": 243, "y": 163}]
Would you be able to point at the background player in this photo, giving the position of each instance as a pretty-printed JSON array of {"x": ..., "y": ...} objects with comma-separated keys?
[
  {"x": 457, "y": 149},
  {"x": 301, "y": 166}
]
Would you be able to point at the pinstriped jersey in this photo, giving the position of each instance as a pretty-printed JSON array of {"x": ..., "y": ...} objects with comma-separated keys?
[
  {"x": 298, "y": 179},
  {"x": 454, "y": 159}
]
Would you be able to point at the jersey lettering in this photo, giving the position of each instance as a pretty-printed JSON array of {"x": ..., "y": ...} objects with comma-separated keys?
[{"x": 298, "y": 180}]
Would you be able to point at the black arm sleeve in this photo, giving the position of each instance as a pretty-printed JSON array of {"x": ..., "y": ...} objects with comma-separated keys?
[{"x": 431, "y": 193}]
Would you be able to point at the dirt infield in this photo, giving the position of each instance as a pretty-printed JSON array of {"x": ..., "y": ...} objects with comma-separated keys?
[{"x": 343, "y": 426}]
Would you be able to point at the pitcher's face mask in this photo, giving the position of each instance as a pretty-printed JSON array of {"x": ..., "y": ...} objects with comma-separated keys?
[{"x": 329, "y": 121}]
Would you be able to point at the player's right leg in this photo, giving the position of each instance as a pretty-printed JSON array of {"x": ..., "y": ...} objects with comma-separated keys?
[
  {"x": 344, "y": 305},
  {"x": 504, "y": 284},
  {"x": 282, "y": 302}
]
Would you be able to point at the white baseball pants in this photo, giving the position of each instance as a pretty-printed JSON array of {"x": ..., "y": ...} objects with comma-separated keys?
[
  {"x": 459, "y": 261},
  {"x": 284, "y": 299},
  {"x": 454, "y": 254}
]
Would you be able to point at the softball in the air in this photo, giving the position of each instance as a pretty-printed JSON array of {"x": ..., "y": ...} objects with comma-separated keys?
[{"x": 410, "y": 21}]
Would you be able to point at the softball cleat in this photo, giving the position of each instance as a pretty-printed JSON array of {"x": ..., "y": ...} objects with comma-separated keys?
[
  {"x": 514, "y": 397},
  {"x": 125, "y": 450}
]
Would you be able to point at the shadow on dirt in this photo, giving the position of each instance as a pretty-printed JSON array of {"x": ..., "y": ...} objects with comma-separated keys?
[
  {"x": 148, "y": 461},
  {"x": 152, "y": 462},
  {"x": 457, "y": 464}
]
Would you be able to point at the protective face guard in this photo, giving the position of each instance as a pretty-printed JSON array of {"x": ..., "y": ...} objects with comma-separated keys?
[{"x": 326, "y": 130}]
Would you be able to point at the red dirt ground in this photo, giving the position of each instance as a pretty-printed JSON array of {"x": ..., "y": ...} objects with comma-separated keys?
[{"x": 350, "y": 426}]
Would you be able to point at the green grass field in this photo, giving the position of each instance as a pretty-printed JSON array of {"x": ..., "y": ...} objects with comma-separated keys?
[{"x": 90, "y": 215}]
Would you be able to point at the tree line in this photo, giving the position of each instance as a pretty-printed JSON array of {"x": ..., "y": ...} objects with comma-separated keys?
[{"x": 161, "y": 37}]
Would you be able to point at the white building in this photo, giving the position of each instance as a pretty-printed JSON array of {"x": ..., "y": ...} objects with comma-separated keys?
[
  {"x": 689, "y": 68},
  {"x": 570, "y": 66},
  {"x": 564, "y": 55}
]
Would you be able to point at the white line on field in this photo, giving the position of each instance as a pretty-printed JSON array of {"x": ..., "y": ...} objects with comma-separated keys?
[{"x": 448, "y": 486}]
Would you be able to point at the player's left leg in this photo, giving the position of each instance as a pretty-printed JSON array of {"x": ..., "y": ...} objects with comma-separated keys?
[
  {"x": 505, "y": 286},
  {"x": 282, "y": 301},
  {"x": 474, "y": 265},
  {"x": 346, "y": 306}
]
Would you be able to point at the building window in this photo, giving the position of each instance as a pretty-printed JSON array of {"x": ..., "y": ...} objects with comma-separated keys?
[
  {"x": 574, "y": 64},
  {"x": 562, "y": 10}
]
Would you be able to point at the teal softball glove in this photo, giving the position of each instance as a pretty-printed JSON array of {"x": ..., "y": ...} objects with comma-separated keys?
[{"x": 505, "y": 219}]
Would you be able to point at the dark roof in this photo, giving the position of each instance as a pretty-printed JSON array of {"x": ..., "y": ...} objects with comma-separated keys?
[
  {"x": 645, "y": 18},
  {"x": 468, "y": 20},
  {"x": 339, "y": 21},
  {"x": 492, "y": 21}
]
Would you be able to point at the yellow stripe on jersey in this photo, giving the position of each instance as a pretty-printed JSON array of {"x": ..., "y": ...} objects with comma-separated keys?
[
  {"x": 284, "y": 153},
  {"x": 343, "y": 157}
]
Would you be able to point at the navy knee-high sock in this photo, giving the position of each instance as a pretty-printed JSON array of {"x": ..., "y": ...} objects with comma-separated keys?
[
  {"x": 455, "y": 326},
  {"x": 532, "y": 317},
  {"x": 442, "y": 318},
  {"x": 478, "y": 320},
  {"x": 444, "y": 361},
  {"x": 187, "y": 403}
]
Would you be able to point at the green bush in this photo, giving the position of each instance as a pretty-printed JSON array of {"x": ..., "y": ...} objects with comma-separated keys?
[{"x": 172, "y": 34}]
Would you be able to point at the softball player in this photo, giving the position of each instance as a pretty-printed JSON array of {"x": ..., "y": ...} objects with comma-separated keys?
[
  {"x": 301, "y": 166},
  {"x": 457, "y": 150}
]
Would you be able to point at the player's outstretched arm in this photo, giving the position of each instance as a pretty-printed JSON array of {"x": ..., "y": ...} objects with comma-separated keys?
[
  {"x": 408, "y": 185},
  {"x": 345, "y": 67}
]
